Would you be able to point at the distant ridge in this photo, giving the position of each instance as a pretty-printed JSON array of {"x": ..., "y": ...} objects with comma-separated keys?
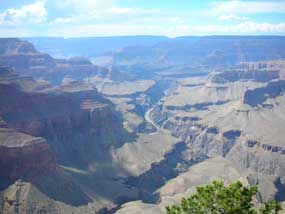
[
  {"x": 90, "y": 46},
  {"x": 61, "y": 47}
]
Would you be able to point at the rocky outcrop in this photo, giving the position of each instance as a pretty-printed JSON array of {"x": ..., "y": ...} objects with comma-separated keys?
[
  {"x": 238, "y": 75},
  {"x": 43, "y": 66},
  {"x": 21, "y": 154},
  {"x": 266, "y": 147},
  {"x": 65, "y": 120},
  {"x": 257, "y": 96},
  {"x": 25, "y": 60},
  {"x": 261, "y": 159},
  {"x": 25, "y": 83},
  {"x": 13, "y": 46},
  {"x": 201, "y": 140},
  {"x": 263, "y": 65}
]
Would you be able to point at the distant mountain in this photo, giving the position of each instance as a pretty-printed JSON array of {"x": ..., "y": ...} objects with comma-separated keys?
[
  {"x": 90, "y": 46},
  {"x": 210, "y": 51}
]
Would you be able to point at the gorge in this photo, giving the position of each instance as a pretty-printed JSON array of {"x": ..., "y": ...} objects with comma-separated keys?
[{"x": 139, "y": 131}]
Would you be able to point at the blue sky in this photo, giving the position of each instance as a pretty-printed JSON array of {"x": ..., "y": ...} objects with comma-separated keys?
[{"x": 74, "y": 18}]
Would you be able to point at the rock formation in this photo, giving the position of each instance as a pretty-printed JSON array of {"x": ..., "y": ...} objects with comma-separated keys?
[
  {"x": 26, "y": 60},
  {"x": 22, "y": 154}
]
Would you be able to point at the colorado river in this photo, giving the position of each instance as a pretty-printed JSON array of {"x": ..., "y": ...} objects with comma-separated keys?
[{"x": 149, "y": 120}]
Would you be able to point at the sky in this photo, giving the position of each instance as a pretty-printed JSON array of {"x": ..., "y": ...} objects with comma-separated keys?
[{"x": 82, "y": 18}]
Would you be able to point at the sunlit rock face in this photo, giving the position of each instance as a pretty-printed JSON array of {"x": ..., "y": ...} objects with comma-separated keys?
[{"x": 224, "y": 114}]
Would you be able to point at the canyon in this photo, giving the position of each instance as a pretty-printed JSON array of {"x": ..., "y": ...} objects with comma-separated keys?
[{"x": 139, "y": 131}]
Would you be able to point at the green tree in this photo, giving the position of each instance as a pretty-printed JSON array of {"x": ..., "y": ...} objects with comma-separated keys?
[
  {"x": 271, "y": 207},
  {"x": 216, "y": 198}
]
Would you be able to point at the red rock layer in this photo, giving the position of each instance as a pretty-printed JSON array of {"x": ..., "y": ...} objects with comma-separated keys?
[{"x": 24, "y": 155}]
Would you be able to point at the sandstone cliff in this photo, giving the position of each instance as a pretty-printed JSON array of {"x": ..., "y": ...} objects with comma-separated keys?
[{"x": 21, "y": 154}]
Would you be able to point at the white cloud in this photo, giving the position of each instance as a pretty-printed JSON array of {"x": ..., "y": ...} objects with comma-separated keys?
[
  {"x": 244, "y": 28},
  {"x": 231, "y": 17},
  {"x": 82, "y": 6},
  {"x": 121, "y": 10},
  {"x": 119, "y": 15},
  {"x": 35, "y": 12},
  {"x": 237, "y": 7},
  {"x": 98, "y": 11},
  {"x": 105, "y": 18}
]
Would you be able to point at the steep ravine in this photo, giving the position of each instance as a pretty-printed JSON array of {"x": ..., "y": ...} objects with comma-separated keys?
[
  {"x": 235, "y": 130},
  {"x": 174, "y": 162}
]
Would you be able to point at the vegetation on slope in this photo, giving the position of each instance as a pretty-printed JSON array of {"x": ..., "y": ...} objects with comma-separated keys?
[{"x": 216, "y": 198}]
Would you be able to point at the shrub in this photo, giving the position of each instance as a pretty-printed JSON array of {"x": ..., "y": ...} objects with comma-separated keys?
[{"x": 216, "y": 198}]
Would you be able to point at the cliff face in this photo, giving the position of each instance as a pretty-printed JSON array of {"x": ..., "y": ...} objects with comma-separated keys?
[
  {"x": 76, "y": 120},
  {"x": 10, "y": 46},
  {"x": 21, "y": 154},
  {"x": 44, "y": 127},
  {"x": 70, "y": 130},
  {"x": 254, "y": 75},
  {"x": 76, "y": 124},
  {"x": 224, "y": 114},
  {"x": 259, "y": 95},
  {"x": 25, "y": 60}
]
